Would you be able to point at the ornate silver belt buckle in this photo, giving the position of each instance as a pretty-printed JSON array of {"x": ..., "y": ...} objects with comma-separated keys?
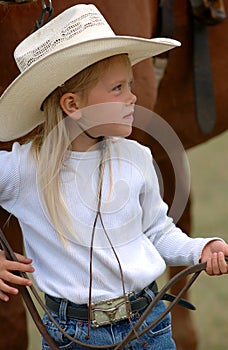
[{"x": 112, "y": 310}]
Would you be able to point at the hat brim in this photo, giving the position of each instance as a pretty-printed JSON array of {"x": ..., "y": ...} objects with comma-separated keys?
[{"x": 20, "y": 103}]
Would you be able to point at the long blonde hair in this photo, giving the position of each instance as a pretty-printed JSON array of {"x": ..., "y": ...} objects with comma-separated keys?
[{"x": 53, "y": 140}]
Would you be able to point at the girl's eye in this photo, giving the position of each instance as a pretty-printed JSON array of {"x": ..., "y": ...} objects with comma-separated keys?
[
  {"x": 123, "y": 86},
  {"x": 117, "y": 87}
]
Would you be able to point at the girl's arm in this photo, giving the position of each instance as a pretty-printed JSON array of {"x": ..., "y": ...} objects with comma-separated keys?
[
  {"x": 7, "y": 274},
  {"x": 173, "y": 245}
]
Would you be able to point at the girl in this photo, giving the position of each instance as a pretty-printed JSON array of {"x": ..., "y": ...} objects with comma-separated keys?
[{"x": 87, "y": 199}]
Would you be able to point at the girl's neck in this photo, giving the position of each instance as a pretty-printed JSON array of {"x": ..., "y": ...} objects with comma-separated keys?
[{"x": 85, "y": 143}]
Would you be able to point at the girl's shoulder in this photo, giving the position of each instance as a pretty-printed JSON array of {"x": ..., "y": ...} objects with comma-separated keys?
[
  {"x": 17, "y": 149},
  {"x": 132, "y": 146},
  {"x": 17, "y": 154},
  {"x": 15, "y": 170}
]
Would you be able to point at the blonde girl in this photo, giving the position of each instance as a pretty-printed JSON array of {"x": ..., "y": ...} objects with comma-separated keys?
[{"x": 87, "y": 198}]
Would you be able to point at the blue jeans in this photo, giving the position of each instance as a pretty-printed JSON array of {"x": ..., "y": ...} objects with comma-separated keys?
[{"x": 157, "y": 338}]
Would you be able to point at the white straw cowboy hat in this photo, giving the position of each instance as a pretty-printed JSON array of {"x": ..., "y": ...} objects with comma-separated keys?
[{"x": 72, "y": 41}]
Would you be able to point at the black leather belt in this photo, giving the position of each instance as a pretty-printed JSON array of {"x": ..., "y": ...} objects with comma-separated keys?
[{"x": 142, "y": 300}]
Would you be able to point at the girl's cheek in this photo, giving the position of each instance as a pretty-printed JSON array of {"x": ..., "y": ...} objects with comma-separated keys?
[{"x": 105, "y": 113}]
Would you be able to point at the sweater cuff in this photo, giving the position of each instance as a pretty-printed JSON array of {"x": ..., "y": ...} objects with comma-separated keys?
[{"x": 205, "y": 241}]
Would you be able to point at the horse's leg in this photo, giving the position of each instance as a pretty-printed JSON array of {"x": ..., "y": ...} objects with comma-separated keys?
[
  {"x": 12, "y": 314},
  {"x": 184, "y": 331}
]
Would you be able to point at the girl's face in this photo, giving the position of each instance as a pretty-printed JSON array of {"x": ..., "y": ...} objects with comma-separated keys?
[
  {"x": 107, "y": 109},
  {"x": 114, "y": 84}
]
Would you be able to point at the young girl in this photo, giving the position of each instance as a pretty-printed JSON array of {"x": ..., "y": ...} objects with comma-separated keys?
[{"x": 87, "y": 199}]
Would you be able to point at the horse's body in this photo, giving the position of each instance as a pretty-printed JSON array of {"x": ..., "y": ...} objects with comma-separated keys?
[
  {"x": 175, "y": 102},
  {"x": 176, "y": 88}
]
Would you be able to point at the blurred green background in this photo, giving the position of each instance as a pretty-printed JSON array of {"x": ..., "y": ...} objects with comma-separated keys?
[{"x": 209, "y": 168}]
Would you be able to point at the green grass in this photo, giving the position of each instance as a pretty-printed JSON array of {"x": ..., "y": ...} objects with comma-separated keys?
[{"x": 209, "y": 164}]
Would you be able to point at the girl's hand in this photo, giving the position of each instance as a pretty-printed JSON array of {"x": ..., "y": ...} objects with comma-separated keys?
[
  {"x": 214, "y": 254},
  {"x": 7, "y": 269}
]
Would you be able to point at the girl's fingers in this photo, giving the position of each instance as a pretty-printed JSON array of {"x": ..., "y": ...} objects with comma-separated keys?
[
  {"x": 6, "y": 288},
  {"x": 216, "y": 264},
  {"x": 222, "y": 263},
  {"x": 4, "y": 297},
  {"x": 23, "y": 259},
  {"x": 9, "y": 277},
  {"x": 15, "y": 266},
  {"x": 209, "y": 266}
]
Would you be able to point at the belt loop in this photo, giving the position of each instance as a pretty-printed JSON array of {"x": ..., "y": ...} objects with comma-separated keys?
[
  {"x": 149, "y": 292},
  {"x": 63, "y": 310}
]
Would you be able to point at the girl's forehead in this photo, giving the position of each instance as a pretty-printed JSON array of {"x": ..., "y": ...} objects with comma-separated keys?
[
  {"x": 108, "y": 62},
  {"x": 120, "y": 59},
  {"x": 118, "y": 64}
]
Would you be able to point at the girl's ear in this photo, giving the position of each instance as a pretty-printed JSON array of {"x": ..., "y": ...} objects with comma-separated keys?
[{"x": 68, "y": 103}]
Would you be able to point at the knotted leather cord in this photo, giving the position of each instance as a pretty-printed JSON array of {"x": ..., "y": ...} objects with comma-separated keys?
[
  {"x": 195, "y": 270},
  {"x": 98, "y": 215},
  {"x": 46, "y": 10},
  {"x": 159, "y": 296},
  {"x": 98, "y": 138},
  {"x": 27, "y": 297}
]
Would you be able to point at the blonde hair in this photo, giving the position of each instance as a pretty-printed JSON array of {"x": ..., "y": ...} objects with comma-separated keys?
[{"x": 53, "y": 140}]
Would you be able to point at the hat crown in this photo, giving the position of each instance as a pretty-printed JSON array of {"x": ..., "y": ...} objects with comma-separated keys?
[{"x": 74, "y": 26}]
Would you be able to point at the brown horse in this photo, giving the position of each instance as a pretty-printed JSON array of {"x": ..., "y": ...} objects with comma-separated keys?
[{"x": 174, "y": 102}]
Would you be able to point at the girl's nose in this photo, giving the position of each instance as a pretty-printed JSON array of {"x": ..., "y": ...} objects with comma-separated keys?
[{"x": 132, "y": 98}]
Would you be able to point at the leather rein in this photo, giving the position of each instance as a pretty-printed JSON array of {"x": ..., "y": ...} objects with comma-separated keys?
[{"x": 26, "y": 295}]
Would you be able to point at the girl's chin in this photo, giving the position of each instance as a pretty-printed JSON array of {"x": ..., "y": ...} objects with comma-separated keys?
[{"x": 115, "y": 131}]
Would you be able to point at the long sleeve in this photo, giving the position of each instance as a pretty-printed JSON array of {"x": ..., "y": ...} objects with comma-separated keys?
[
  {"x": 175, "y": 247},
  {"x": 9, "y": 175}
]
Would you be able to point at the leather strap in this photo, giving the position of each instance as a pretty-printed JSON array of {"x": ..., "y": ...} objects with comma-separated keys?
[
  {"x": 81, "y": 311},
  {"x": 204, "y": 13},
  {"x": 203, "y": 81},
  {"x": 202, "y": 74},
  {"x": 26, "y": 296},
  {"x": 166, "y": 19},
  {"x": 194, "y": 270}
]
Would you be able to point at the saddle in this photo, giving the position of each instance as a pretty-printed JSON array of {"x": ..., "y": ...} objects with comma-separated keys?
[
  {"x": 208, "y": 11},
  {"x": 203, "y": 13}
]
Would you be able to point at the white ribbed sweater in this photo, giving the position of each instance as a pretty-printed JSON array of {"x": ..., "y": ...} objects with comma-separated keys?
[{"x": 134, "y": 215}]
